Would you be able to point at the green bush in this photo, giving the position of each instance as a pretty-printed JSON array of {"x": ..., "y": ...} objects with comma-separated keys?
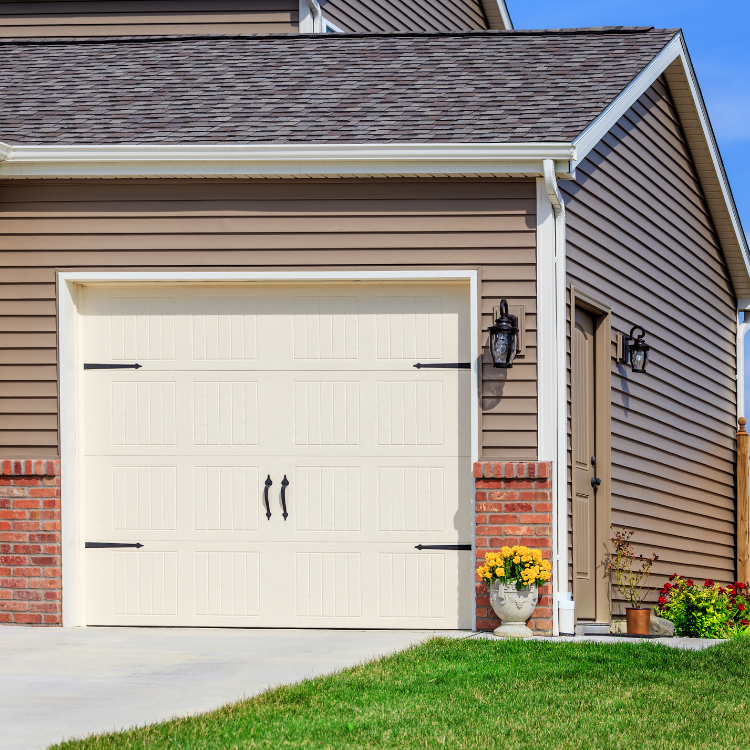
[{"x": 707, "y": 611}]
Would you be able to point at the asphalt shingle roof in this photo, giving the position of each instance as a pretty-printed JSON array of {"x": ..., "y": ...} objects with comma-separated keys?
[{"x": 349, "y": 88}]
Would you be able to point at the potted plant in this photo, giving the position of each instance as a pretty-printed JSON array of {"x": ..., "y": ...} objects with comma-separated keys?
[
  {"x": 631, "y": 574},
  {"x": 513, "y": 576}
]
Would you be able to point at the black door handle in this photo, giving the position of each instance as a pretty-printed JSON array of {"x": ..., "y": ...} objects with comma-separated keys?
[
  {"x": 265, "y": 497},
  {"x": 284, "y": 485},
  {"x": 595, "y": 483}
]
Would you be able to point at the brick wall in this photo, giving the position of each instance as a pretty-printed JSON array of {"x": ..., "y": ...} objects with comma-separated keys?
[
  {"x": 30, "y": 566},
  {"x": 513, "y": 506}
]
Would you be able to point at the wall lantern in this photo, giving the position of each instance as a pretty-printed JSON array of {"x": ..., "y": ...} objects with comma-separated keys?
[
  {"x": 504, "y": 337},
  {"x": 634, "y": 350}
]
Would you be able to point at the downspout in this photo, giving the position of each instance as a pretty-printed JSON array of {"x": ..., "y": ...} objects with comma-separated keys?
[
  {"x": 317, "y": 15},
  {"x": 560, "y": 469},
  {"x": 742, "y": 329}
]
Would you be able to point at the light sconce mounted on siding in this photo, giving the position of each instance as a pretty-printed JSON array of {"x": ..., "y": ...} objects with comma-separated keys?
[
  {"x": 633, "y": 350},
  {"x": 504, "y": 338}
]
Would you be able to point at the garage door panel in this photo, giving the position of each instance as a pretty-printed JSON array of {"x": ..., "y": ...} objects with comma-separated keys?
[{"x": 312, "y": 383}]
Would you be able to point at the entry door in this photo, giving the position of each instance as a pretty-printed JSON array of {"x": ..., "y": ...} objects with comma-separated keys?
[
  {"x": 584, "y": 467},
  {"x": 311, "y": 388}
]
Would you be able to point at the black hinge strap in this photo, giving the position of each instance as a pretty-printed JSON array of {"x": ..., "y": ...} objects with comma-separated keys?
[
  {"x": 446, "y": 365},
  {"x": 90, "y": 366},
  {"x": 444, "y": 546},
  {"x": 109, "y": 545}
]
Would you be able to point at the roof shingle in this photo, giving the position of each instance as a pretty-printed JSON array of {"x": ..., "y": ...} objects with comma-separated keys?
[{"x": 492, "y": 87}]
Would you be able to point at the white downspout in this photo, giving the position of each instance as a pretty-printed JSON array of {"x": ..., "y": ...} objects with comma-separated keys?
[
  {"x": 742, "y": 329},
  {"x": 560, "y": 469},
  {"x": 317, "y": 15}
]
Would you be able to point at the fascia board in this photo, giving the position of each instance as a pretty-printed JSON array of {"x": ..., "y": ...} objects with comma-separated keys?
[
  {"x": 503, "y": 8},
  {"x": 287, "y": 159},
  {"x": 676, "y": 49}
]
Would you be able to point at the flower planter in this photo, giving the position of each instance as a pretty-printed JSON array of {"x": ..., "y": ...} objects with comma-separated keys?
[
  {"x": 638, "y": 621},
  {"x": 514, "y": 608}
]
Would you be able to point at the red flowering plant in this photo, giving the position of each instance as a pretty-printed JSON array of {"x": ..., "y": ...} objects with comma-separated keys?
[
  {"x": 630, "y": 571},
  {"x": 707, "y": 611}
]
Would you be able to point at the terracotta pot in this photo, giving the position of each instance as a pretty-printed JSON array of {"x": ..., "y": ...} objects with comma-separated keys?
[{"x": 638, "y": 621}]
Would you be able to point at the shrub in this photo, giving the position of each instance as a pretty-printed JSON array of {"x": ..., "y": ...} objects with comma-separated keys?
[
  {"x": 519, "y": 565},
  {"x": 707, "y": 611}
]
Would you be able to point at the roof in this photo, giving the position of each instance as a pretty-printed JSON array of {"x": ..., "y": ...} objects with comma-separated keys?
[{"x": 467, "y": 87}]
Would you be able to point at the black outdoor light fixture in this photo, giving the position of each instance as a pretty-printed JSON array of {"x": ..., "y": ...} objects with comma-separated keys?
[
  {"x": 635, "y": 350},
  {"x": 504, "y": 337}
]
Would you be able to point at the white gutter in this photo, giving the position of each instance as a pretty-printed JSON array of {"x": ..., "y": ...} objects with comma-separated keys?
[
  {"x": 742, "y": 329},
  {"x": 317, "y": 15},
  {"x": 560, "y": 467},
  {"x": 303, "y": 160}
]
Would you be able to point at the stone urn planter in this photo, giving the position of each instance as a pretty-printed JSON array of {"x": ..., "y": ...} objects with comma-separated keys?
[{"x": 513, "y": 607}]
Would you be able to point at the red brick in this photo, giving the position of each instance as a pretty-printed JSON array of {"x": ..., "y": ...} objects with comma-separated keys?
[
  {"x": 544, "y": 485},
  {"x": 27, "y": 526},
  {"x": 484, "y": 484},
  {"x": 543, "y": 507},
  {"x": 521, "y": 470},
  {"x": 6, "y": 617},
  {"x": 45, "y": 492},
  {"x": 477, "y": 470},
  {"x": 6, "y": 549},
  {"x": 539, "y": 541},
  {"x": 42, "y": 538},
  {"x": 17, "y": 468},
  {"x": 51, "y": 549},
  {"x": 6, "y": 467},
  {"x": 25, "y": 594},
  {"x": 542, "y": 612},
  {"x": 485, "y": 625},
  {"x": 45, "y": 583},
  {"x": 53, "y": 619},
  {"x": 51, "y": 525},
  {"x": 14, "y": 606},
  {"x": 5, "y": 502},
  {"x": 483, "y": 600},
  {"x": 489, "y": 507},
  {"x": 497, "y": 469},
  {"x": 545, "y": 625},
  {"x": 13, "y": 515},
  {"x": 543, "y": 531},
  {"x": 503, "y": 497},
  {"x": 480, "y": 542},
  {"x": 49, "y": 560},
  {"x": 504, "y": 518},
  {"x": 28, "y": 619},
  {"x": 5, "y": 525},
  {"x": 544, "y": 469},
  {"x": 522, "y": 484},
  {"x": 26, "y": 504},
  {"x": 4, "y": 594},
  {"x": 52, "y": 572},
  {"x": 489, "y": 530},
  {"x": 518, "y": 530},
  {"x": 27, "y": 549},
  {"x": 26, "y": 482},
  {"x": 52, "y": 503},
  {"x": 6, "y": 571},
  {"x": 27, "y": 572},
  {"x": 13, "y": 583},
  {"x": 13, "y": 536},
  {"x": 533, "y": 518},
  {"x": 47, "y": 514},
  {"x": 518, "y": 507},
  {"x": 45, "y": 607},
  {"x": 480, "y": 518}
]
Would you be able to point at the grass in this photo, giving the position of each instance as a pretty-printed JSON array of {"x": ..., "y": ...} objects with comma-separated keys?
[{"x": 486, "y": 694}]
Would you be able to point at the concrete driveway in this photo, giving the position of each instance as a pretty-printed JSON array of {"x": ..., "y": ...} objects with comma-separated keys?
[{"x": 58, "y": 683}]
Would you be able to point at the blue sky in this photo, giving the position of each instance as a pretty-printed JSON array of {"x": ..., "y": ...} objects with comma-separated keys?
[{"x": 717, "y": 39}]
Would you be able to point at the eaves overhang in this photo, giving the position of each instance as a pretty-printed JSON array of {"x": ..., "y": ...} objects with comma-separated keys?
[
  {"x": 674, "y": 63},
  {"x": 283, "y": 160}
]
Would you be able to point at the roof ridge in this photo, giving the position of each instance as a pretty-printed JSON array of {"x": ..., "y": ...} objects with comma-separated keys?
[{"x": 594, "y": 31}]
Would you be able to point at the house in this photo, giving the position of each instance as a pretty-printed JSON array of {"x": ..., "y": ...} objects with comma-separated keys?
[
  {"x": 69, "y": 18},
  {"x": 247, "y": 285}
]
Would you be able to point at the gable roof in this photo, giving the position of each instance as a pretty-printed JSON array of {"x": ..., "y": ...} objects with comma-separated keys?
[{"x": 508, "y": 87}]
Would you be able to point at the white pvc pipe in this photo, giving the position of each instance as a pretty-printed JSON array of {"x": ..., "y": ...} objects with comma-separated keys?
[
  {"x": 317, "y": 14},
  {"x": 560, "y": 468},
  {"x": 742, "y": 329}
]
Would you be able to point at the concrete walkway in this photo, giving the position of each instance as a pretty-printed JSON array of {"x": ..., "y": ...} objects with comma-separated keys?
[{"x": 58, "y": 683}]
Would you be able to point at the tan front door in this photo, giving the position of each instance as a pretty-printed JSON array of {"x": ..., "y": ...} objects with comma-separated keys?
[
  {"x": 309, "y": 384},
  {"x": 584, "y": 467}
]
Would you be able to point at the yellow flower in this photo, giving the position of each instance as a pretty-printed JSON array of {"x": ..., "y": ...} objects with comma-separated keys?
[
  {"x": 500, "y": 572},
  {"x": 516, "y": 559}
]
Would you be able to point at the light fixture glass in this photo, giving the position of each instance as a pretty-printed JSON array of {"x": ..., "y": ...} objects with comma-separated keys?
[
  {"x": 637, "y": 350},
  {"x": 504, "y": 338}
]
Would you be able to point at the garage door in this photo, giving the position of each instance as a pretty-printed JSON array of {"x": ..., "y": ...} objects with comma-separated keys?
[{"x": 276, "y": 457}]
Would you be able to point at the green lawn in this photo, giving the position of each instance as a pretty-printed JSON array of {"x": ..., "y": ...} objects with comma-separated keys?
[{"x": 488, "y": 694}]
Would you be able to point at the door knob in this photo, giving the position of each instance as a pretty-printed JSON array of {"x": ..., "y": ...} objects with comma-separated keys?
[{"x": 595, "y": 482}]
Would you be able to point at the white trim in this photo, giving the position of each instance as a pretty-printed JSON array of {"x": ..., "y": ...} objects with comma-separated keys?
[
  {"x": 72, "y": 518},
  {"x": 503, "y": 8},
  {"x": 328, "y": 25},
  {"x": 676, "y": 49},
  {"x": 742, "y": 329},
  {"x": 560, "y": 466},
  {"x": 238, "y": 160}
]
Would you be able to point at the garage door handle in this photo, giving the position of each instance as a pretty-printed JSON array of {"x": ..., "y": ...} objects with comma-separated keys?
[
  {"x": 445, "y": 365},
  {"x": 94, "y": 366},
  {"x": 265, "y": 497},
  {"x": 284, "y": 485},
  {"x": 444, "y": 546},
  {"x": 110, "y": 545}
]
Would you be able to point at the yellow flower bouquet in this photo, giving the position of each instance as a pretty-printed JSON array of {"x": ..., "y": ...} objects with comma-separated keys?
[{"x": 521, "y": 565}]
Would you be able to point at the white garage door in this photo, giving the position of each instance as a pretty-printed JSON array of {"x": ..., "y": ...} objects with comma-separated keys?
[{"x": 307, "y": 385}]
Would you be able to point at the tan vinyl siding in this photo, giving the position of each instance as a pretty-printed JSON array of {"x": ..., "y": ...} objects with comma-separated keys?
[
  {"x": 489, "y": 225},
  {"x": 406, "y": 15},
  {"x": 640, "y": 238},
  {"x": 138, "y": 17}
]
